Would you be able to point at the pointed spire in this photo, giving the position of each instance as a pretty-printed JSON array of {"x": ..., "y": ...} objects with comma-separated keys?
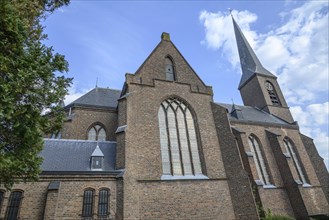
[{"x": 250, "y": 63}]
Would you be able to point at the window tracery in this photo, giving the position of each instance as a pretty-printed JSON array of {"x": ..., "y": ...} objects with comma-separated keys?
[
  {"x": 178, "y": 139},
  {"x": 261, "y": 168},
  {"x": 297, "y": 164},
  {"x": 97, "y": 133}
]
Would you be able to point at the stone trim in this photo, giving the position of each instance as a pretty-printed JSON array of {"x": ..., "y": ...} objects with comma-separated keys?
[
  {"x": 186, "y": 177},
  {"x": 121, "y": 129}
]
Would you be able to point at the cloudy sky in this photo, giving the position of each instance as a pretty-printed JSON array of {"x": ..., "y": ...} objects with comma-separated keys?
[{"x": 105, "y": 39}]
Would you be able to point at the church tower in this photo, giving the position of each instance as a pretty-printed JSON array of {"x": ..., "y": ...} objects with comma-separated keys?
[{"x": 258, "y": 86}]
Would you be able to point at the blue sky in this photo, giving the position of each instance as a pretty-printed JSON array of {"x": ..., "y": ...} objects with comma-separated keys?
[{"x": 106, "y": 39}]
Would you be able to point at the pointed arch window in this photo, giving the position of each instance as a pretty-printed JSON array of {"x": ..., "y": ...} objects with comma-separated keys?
[
  {"x": 272, "y": 93},
  {"x": 169, "y": 69},
  {"x": 291, "y": 153},
  {"x": 103, "y": 203},
  {"x": 263, "y": 175},
  {"x": 97, "y": 133},
  {"x": 15, "y": 199},
  {"x": 2, "y": 195},
  {"x": 88, "y": 201},
  {"x": 178, "y": 139}
]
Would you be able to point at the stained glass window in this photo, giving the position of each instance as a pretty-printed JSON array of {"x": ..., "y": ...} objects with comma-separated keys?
[
  {"x": 97, "y": 133},
  {"x": 178, "y": 139},
  {"x": 259, "y": 161},
  {"x": 293, "y": 155}
]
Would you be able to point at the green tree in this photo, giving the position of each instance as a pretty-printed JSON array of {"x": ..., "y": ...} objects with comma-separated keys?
[{"x": 31, "y": 81}]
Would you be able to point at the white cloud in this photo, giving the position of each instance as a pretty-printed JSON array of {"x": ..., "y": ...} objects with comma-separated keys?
[
  {"x": 219, "y": 31},
  {"x": 319, "y": 113},
  {"x": 74, "y": 94},
  {"x": 310, "y": 119},
  {"x": 296, "y": 51}
]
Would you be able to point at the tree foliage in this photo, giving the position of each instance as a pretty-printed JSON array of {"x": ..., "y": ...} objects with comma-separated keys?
[{"x": 31, "y": 81}]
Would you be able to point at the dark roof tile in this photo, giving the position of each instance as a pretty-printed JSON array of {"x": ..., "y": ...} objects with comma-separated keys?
[
  {"x": 252, "y": 114},
  {"x": 98, "y": 97},
  {"x": 74, "y": 155}
]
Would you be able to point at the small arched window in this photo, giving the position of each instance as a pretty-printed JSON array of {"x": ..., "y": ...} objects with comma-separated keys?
[
  {"x": 297, "y": 165},
  {"x": 261, "y": 168},
  {"x": 178, "y": 139},
  {"x": 169, "y": 69},
  {"x": 15, "y": 199},
  {"x": 272, "y": 93},
  {"x": 97, "y": 133},
  {"x": 103, "y": 203},
  {"x": 2, "y": 195},
  {"x": 88, "y": 201}
]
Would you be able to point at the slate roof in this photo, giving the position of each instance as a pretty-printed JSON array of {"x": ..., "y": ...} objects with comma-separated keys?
[
  {"x": 250, "y": 63},
  {"x": 61, "y": 155},
  {"x": 98, "y": 97},
  {"x": 251, "y": 114}
]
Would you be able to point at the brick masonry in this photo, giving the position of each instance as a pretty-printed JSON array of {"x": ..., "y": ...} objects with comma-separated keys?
[
  {"x": 229, "y": 192},
  {"x": 66, "y": 203}
]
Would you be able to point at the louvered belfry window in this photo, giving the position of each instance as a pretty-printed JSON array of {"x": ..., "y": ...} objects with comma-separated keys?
[
  {"x": 272, "y": 93},
  {"x": 178, "y": 139},
  {"x": 13, "y": 205},
  {"x": 88, "y": 200},
  {"x": 103, "y": 203}
]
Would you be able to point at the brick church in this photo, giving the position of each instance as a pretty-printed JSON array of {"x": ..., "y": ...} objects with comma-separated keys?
[{"x": 162, "y": 148}]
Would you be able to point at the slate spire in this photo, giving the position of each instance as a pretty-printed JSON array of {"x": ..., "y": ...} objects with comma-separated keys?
[{"x": 250, "y": 64}]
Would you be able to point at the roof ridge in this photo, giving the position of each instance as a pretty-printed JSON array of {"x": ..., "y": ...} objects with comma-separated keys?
[{"x": 78, "y": 140}]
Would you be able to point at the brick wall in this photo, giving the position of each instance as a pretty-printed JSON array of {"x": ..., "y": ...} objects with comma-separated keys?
[
  {"x": 66, "y": 203},
  {"x": 238, "y": 180},
  {"x": 144, "y": 191},
  {"x": 83, "y": 118}
]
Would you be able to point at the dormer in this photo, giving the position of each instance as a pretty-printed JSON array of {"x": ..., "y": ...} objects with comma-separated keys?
[{"x": 97, "y": 159}]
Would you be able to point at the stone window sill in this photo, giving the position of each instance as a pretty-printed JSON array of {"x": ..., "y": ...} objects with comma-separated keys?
[{"x": 186, "y": 177}]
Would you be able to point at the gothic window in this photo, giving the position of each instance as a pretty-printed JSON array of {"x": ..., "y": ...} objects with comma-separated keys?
[
  {"x": 259, "y": 161},
  {"x": 2, "y": 195},
  {"x": 103, "y": 203},
  {"x": 15, "y": 199},
  {"x": 178, "y": 139},
  {"x": 170, "y": 75},
  {"x": 297, "y": 165},
  {"x": 56, "y": 135},
  {"x": 272, "y": 93},
  {"x": 88, "y": 201},
  {"x": 97, "y": 133}
]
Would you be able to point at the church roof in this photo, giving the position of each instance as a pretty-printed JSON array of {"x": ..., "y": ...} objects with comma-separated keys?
[
  {"x": 60, "y": 155},
  {"x": 250, "y": 63},
  {"x": 251, "y": 114},
  {"x": 99, "y": 98}
]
